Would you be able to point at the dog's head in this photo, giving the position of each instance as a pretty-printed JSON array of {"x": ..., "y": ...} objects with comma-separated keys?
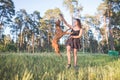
[{"x": 57, "y": 22}]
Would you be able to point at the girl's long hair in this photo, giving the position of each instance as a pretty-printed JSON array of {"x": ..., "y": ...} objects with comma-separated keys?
[{"x": 79, "y": 22}]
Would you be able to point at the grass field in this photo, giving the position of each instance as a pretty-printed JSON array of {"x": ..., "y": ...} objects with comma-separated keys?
[{"x": 48, "y": 66}]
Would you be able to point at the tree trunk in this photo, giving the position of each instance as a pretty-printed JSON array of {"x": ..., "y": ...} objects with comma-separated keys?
[
  {"x": 16, "y": 40},
  {"x": 33, "y": 42},
  {"x": 111, "y": 39},
  {"x": 21, "y": 41},
  {"x": 111, "y": 42}
]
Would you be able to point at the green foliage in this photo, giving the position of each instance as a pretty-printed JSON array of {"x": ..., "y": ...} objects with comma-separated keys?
[
  {"x": 7, "y": 10},
  {"x": 2, "y": 49},
  {"x": 116, "y": 33},
  {"x": 52, "y": 14},
  {"x": 11, "y": 47},
  {"x": 62, "y": 48},
  {"x": 117, "y": 45},
  {"x": 68, "y": 4},
  {"x": 48, "y": 66},
  {"x": 114, "y": 10}
]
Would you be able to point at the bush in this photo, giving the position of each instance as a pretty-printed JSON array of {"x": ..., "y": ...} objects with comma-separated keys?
[
  {"x": 117, "y": 45},
  {"x": 117, "y": 48},
  {"x": 62, "y": 48},
  {"x": 11, "y": 48},
  {"x": 8, "y": 48},
  {"x": 2, "y": 49}
]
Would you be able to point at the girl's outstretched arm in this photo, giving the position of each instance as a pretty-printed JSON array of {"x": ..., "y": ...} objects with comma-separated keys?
[{"x": 62, "y": 18}]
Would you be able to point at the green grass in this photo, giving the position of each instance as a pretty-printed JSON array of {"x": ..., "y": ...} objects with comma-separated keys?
[{"x": 48, "y": 66}]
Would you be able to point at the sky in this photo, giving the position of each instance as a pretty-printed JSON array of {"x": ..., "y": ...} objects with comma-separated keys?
[{"x": 89, "y": 7}]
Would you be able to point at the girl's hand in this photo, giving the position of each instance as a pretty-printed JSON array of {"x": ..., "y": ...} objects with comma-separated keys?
[{"x": 71, "y": 36}]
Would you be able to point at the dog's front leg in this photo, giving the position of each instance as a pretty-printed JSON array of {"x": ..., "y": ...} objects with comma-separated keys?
[{"x": 67, "y": 30}]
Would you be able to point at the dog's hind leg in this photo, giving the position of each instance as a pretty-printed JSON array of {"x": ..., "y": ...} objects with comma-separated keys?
[{"x": 57, "y": 50}]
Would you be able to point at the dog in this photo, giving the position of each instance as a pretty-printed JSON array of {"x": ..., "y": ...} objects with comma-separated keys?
[{"x": 58, "y": 34}]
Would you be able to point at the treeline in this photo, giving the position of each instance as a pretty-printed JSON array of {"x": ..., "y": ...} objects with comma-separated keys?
[{"x": 29, "y": 32}]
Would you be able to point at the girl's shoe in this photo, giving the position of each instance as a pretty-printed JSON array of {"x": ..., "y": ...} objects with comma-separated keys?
[
  {"x": 76, "y": 67},
  {"x": 68, "y": 66}
]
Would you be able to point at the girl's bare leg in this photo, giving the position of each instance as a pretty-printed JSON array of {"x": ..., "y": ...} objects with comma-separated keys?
[{"x": 75, "y": 57}]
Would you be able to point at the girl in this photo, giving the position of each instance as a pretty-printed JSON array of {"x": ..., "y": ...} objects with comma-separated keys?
[{"x": 73, "y": 43}]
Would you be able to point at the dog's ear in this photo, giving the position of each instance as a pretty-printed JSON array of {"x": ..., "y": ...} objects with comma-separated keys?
[{"x": 57, "y": 22}]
